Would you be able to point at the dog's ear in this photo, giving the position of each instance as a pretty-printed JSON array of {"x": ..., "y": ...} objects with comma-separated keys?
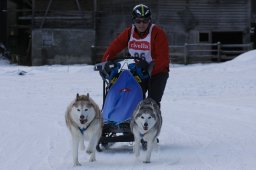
[
  {"x": 77, "y": 97},
  {"x": 152, "y": 104}
]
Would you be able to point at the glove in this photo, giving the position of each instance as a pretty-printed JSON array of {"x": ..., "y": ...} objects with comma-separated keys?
[
  {"x": 104, "y": 71},
  {"x": 109, "y": 70},
  {"x": 143, "y": 64}
]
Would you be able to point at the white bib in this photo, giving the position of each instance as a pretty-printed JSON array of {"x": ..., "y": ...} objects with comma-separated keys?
[{"x": 140, "y": 47}]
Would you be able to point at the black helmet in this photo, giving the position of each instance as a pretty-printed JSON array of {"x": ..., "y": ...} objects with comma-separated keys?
[{"x": 141, "y": 11}]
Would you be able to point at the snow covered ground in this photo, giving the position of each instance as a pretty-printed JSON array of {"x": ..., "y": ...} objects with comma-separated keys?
[{"x": 209, "y": 114}]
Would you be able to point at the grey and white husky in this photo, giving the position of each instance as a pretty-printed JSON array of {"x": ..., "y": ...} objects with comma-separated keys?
[
  {"x": 84, "y": 121},
  {"x": 146, "y": 124}
]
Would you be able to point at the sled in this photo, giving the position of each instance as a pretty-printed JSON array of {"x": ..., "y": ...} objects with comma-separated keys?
[{"x": 121, "y": 94}]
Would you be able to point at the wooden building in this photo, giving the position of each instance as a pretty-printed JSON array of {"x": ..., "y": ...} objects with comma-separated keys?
[
  {"x": 45, "y": 26},
  {"x": 190, "y": 21},
  {"x": 186, "y": 21}
]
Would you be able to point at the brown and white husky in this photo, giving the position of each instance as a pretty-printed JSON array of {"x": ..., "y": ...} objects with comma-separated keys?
[{"x": 83, "y": 118}]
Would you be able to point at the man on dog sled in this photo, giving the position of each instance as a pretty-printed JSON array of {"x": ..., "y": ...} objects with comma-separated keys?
[{"x": 145, "y": 40}]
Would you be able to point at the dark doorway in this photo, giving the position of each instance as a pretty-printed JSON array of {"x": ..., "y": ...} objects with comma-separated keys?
[{"x": 228, "y": 38}]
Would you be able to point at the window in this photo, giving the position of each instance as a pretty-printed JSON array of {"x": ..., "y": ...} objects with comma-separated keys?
[{"x": 203, "y": 37}]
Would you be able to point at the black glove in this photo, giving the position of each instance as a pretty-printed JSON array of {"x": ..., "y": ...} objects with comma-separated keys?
[
  {"x": 107, "y": 68},
  {"x": 143, "y": 64}
]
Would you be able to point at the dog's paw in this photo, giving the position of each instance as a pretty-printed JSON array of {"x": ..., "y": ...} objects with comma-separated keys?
[
  {"x": 92, "y": 159},
  {"x": 77, "y": 164},
  {"x": 146, "y": 161}
]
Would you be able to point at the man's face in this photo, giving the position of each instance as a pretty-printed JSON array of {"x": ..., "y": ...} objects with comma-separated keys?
[{"x": 141, "y": 24}]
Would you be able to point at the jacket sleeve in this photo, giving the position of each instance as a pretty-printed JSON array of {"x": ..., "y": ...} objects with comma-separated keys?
[
  {"x": 117, "y": 45},
  {"x": 161, "y": 52}
]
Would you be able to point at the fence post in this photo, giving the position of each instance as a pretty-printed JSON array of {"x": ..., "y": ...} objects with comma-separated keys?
[
  {"x": 93, "y": 54},
  {"x": 186, "y": 53},
  {"x": 219, "y": 51}
]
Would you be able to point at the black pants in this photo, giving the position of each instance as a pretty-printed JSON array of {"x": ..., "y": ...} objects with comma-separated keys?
[{"x": 154, "y": 87}]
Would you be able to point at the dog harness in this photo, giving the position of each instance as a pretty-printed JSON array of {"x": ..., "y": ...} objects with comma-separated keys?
[
  {"x": 82, "y": 130},
  {"x": 142, "y": 135}
]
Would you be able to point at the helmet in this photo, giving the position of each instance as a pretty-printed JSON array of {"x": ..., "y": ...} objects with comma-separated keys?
[{"x": 141, "y": 11}]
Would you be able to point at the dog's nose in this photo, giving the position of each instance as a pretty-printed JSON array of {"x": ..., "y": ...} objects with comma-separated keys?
[
  {"x": 82, "y": 117},
  {"x": 146, "y": 124}
]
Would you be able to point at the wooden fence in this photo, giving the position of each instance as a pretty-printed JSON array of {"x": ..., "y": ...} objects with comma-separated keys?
[
  {"x": 191, "y": 53},
  {"x": 215, "y": 52}
]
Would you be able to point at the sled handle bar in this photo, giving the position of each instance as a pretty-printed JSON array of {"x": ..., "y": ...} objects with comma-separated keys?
[
  {"x": 100, "y": 66},
  {"x": 117, "y": 59}
]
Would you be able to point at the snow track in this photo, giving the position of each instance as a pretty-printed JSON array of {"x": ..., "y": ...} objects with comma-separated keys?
[{"x": 209, "y": 114}]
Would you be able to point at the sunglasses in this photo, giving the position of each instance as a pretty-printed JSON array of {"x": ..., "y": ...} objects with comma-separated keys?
[{"x": 144, "y": 21}]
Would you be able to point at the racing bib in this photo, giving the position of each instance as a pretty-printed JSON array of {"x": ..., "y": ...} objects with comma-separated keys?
[{"x": 140, "y": 47}]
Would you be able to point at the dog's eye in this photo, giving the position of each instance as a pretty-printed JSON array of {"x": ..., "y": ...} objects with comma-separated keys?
[
  {"x": 85, "y": 110},
  {"x": 149, "y": 117},
  {"x": 142, "y": 117},
  {"x": 78, "y": 110}
]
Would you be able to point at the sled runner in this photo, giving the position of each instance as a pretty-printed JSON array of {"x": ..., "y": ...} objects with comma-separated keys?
[{"x": 121, "y": 94}]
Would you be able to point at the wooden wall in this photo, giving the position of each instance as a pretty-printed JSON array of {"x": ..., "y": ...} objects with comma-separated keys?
[
  {"x": 115, "y": 15},
  {"x": 183, "y": 20}
]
